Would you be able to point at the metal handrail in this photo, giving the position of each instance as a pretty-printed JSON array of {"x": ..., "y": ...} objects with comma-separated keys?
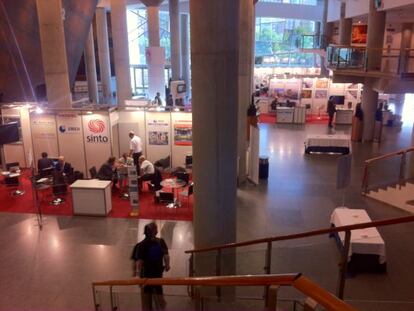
[
  {"x": 401, "y": 180},
  {"x": 298, "y": 281},
  {"x": 332, "y": 230}
]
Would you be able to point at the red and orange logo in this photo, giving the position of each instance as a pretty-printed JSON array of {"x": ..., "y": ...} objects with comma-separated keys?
[{"x": 96, "y": 126}]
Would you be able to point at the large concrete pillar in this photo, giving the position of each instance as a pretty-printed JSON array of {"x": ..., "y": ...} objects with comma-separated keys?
[
  {"x": 406, "y": 34},
  {"x": 345, "y": 28},
  {"x": 90, "y": 64},
  {"x": 214, "y": 59},
  {"x": 185, "y": 53},
  {"x": 121, "y": 51},
  {"x": 369, "y": 107},
  {"x": 245, "y": 81},
  {"x": 52, "y": 40},
  {"x": 325, "y": 29},
  {"x": 175, "y": 39},
  {"x": 375, "y": 40},
  {"x": 103, "y": 52},
  {"x": 154, "y": 53}
]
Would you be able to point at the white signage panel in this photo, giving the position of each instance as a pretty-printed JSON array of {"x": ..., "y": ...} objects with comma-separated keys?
[
  {"x": 182, "y": 137},
  {"x": 70, "y": 137},
  {"x": 44, "y": 135},
  {"x": 96, "y": 136},
  {"x": 158, "y": 137}
]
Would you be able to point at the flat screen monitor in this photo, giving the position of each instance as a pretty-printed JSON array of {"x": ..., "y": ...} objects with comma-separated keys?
[
  {"x": 338, "y": 100},
  {"x": 181, "y": 88},
  {"x": 9, "y": 133}
]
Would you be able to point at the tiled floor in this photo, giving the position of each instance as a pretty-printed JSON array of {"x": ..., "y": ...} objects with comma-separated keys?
[{"x": 53, "y": 268}]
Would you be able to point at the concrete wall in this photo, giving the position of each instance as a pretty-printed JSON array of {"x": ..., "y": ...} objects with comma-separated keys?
[
  {"x": 390, "y": 4},
  {"x": 356, "y": 8},
  {"x": 334, "y": 10}
]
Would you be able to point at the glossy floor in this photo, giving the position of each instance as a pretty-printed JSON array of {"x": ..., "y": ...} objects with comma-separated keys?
[{"x": 54, "y": 267}]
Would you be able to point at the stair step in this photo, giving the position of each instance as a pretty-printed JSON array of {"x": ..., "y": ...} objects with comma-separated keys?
[{"x": 399, "y": 197}]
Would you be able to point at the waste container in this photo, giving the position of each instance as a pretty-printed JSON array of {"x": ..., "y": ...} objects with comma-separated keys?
[{"x": 263, "y": 167}]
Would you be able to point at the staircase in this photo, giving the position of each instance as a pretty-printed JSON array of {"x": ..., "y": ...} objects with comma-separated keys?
[{"x": 401, "y": 197}]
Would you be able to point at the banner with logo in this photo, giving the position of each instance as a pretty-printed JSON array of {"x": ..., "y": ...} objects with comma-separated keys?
[
  {"x": 96, "y": 137},
  {"x": 44, "y": 135},
  {"x": 70, "y": 137},
  {"x": 158, "y": 137},
  {"x": 182, "y": 134}
]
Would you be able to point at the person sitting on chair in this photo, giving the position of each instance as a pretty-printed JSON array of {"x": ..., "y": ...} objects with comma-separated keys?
[
  {"x": 44, "y": 164},
  {"x": 123, "y": 163},
  {"x": 64, "y": 167},
  {"x": 107, "y": 171},
  {"x": 146, "y": 171}
]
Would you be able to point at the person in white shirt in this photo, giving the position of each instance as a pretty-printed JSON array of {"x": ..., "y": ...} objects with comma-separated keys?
[
  {"x": 135, "y": 148},
  {"x": 147, "y": 171}
]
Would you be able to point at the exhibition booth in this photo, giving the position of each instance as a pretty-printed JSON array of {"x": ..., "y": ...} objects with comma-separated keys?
[{"x": 88, "y": 137}]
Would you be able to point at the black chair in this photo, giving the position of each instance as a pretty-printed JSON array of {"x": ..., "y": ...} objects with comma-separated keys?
[
  {"x": 12, "y": 165},
  {"x": 188, "y": 161},
  {"x": 187, "y": 193},
  {"x": 46, "y": 172},
  {"x": 93, "y": 172},
  {"x": 166, "y": 197}
]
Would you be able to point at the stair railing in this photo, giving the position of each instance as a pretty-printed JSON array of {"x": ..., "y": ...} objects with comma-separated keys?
[
  {"x": 269, "y": 241},
  {"x": 401, "y": 177},
  {"x": 304, "y": 285}
]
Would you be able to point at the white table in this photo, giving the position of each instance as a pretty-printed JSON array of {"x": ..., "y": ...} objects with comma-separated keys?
[
  {"x": 363, "y": 241},
  {"x": 344, "y": 116},
  {"x": 284, "y": 114},
  {"x": 91, "y": 197},
  {"x": 328, "y": 143}
]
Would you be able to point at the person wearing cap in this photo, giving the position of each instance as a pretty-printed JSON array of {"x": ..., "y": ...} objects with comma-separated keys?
[{"x": 135, "y": 148}]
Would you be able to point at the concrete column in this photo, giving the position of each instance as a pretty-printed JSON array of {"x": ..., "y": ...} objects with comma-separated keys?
[
  {"x": 90, "y": 64},
  {"x": 345, "y": 28},
  {"x": 375, "y": 40},
  {"x": 214, "y": 55},
  {"x": 153, "y": 25},
  {"x": 103, "y": 52},
  {"x": 121, "y": 53},
  {"x": 154, "y": 53},
  {"x": 185, "y": 53},
  {"x": 52, "y": 40},
  {"x": 245, "y": 81},
  {"x": 406, "y": 33},
  {"x": 369, "y": 107},
  {"x": 175, "y": 39}
]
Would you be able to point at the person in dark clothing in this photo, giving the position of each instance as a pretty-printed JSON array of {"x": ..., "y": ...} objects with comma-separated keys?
[
  {"x": 157, "y": 177},
  {"x": 331, "y": 110},
  {"x": 44, "y": 164},
  {"x": 64, "y": 167},
  {"x": 358, "y": 112},
  {"x": 106, "y": 172},
  {"x": 150, "y": 259}
]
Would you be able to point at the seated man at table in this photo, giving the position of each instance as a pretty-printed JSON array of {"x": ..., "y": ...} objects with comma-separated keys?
[
  {"x": 123, "y": 163},
  {"x": 44, "y": 164},
  {"x": 64, "y": 167},
  {"x": 147, "y": 171},
  {"x": 107, "y": 171}
]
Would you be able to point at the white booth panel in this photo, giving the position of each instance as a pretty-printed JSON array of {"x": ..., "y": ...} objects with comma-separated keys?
[
  {"x": 15, "y": 153},
  {"x": 96, "y": 135},
  {"x": 182, "y": 137},
  {"x": 44, "y": 135},
  {"x": 114, "y": 119},
  {"x": 158, "y": 139},
  {"x": 131, "y": 121},
  {"x": 70, "y": 137}
]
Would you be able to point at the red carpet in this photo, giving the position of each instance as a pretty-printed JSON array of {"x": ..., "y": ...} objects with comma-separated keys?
[
  {"x": 148, "y": 209},
  {"x": 270, "y": 118}
]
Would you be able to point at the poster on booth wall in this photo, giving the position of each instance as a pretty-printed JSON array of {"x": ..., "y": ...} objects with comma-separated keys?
[
  {"x": 292, "y": 88},
  {"x": 97, "y": 140},
  {"x": 359, "y": 34},
  {"x": 322, "y": 83},
  {"x": 182, "y": 127},
  {"x": 158, "y": 128},
  {"x": 70, "y": 137},
  {"x": 44, "y": 135}
]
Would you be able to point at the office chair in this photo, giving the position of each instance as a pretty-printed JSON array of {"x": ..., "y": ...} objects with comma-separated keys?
[
  {"x": 59, "y": 188},
  {"x": 183, "y": 176},
  {"x": 93, "y": 172},
  {"x": 187, "y": 193},
  {"x": 12, "y": 180},
  {"x": 11, "y": 165}
]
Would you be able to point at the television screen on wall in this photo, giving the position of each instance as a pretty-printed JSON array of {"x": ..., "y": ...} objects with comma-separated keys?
[
  {"x": 338, "y": 100},
  {"x": 181, "y": 88},
  {"x": 9, "y": 133}
]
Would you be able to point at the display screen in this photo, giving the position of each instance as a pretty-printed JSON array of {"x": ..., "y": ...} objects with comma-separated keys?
[
  {"x": 338, "y": 100},
  {"x": 9, "y": 133},
  {"x": 181, "y": 88}
]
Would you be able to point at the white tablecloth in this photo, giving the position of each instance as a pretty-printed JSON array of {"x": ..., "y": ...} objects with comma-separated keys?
[
  {"x": 363, "y": 241},
  {"x": 328, "y": 141}
]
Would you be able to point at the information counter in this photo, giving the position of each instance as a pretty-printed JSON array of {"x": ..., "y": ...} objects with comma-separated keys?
[
  {"x": 91, "y": 197},
  {"x": 284, "y": 114},
  {"x": 344, "y": 116}
]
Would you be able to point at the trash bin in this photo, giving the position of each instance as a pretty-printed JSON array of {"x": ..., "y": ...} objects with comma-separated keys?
[{"x": 263, "y": 167}]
